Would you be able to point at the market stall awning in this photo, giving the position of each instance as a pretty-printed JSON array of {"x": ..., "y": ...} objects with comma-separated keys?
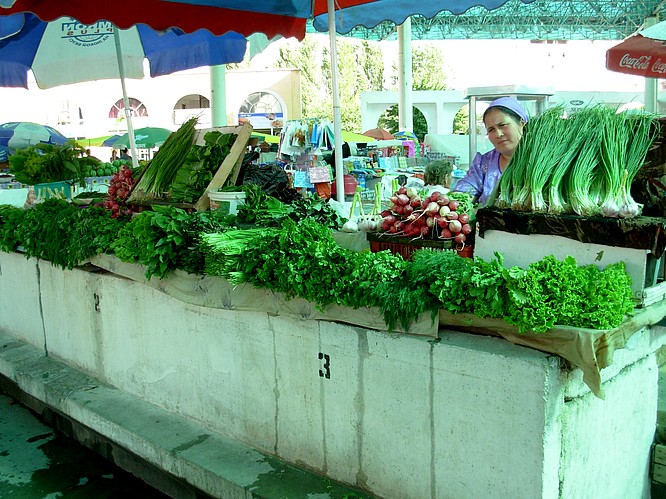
[{"x": 643, "y": 54}]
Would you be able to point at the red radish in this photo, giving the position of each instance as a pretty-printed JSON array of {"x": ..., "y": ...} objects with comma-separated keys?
[
  {"x": 455, "y": 226},
  {"x": 411, "y": 192},
  {"x": 386, "y": 225},
  {"x": 386, "y": 213},
  {"x": 430, "y": 221},
  {"x": 415, "y": 201},
  {"x": 390, "y": 219},
  {"x": 460, "y": 238},
  {"x": 403, "y": 199},
  {"x": 394, "y": 199},
  {"x": 466, "y": 229},
  {"x": 445, "y": 233},
  {"x": 425, "y": 231},
  {"x": 407, "y": 209},
  {"x": 452, "y": 215},
  {"x": 453, "y": 204},
  {"x": 393, "y": 230},
  {"x": 464, "y": 218},
  {"x": 399, "y": 210},
  {"x": 399, "y": 226},
  {"x": 444, "y": 210},
  {"x": 443, "y": 200},
  {"x": 432, "y": 208},
  {"x": 402, "y": 190},
  {"x": 434, "y": 196},
  {"x": 443, "y": 223}
]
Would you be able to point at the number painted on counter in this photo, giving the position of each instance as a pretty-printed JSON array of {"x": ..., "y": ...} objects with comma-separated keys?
[{"x": 326, "y": 372}]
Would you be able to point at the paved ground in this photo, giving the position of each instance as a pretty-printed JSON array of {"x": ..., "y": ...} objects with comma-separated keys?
[{"x": 38, "y": 462}]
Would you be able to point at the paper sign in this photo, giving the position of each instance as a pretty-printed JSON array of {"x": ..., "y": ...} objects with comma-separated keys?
[
  {"x": 301, "y": 178},
  {"x": 319, "y": 174}
]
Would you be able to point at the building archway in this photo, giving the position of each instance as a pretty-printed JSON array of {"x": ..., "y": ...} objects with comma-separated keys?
[
  {"x": 264, "y": 110},
  {"x": 192, "y": 105}
]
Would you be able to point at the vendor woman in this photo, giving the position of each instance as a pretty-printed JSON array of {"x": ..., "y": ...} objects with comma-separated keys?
[{"x": 505, "y": 121}]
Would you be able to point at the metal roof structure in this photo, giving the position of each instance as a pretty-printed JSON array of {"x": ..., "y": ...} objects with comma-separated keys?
[{"x": 538, "y": 20}]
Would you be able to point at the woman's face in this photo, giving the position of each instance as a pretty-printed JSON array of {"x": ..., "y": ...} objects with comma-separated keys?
[{"x": 504, "y": 132}]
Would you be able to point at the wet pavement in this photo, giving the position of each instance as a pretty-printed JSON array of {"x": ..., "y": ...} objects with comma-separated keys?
[{"x": 36, "y": 461}]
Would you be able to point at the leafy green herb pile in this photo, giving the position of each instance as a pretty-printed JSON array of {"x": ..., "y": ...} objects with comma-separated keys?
[
  {"x": 300, "y": 258},
  {"x": 267, "y": 211},
  {"x": 583, "y": 164},
  {"x": 45, "y": 163},
  {"x": 166, "y": 239},
  {"x": 58, "y": 231}
]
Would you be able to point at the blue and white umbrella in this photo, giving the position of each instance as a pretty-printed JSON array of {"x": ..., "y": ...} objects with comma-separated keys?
[
  {"x": 65, "y": 51},
  {"x": 18, "y": 135}
]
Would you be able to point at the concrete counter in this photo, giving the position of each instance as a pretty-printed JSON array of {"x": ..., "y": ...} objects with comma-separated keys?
[{"x": 459, "y": 416}]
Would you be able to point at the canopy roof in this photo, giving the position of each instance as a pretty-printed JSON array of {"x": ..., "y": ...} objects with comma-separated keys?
[{"x": 539, "y": 20}]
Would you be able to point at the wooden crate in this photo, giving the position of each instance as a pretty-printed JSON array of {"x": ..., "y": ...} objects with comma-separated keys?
[
  {"x": 229, "y": 168},
  {"x": 405, "y": 246}
]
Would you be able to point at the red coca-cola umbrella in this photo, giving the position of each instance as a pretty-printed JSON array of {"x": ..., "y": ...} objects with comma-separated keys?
[{"x": 643, "y": 54}]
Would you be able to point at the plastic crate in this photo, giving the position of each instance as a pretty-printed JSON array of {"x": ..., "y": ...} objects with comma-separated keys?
[{"x": 405, "y": 246}]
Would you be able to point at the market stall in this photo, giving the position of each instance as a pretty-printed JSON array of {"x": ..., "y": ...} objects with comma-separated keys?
[{"x": 263, "y": 317}]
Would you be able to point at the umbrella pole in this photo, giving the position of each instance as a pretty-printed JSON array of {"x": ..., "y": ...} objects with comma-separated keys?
[
  {"x": 128, "y": 112},
  {"x": 337, "y": 119},
  {"x": 405, "y": 111}
]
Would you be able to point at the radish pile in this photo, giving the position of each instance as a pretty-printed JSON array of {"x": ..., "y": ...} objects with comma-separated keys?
[{"x": 437, "y": 215}]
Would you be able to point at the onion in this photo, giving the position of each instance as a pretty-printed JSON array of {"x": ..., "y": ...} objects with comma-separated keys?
[{"x": 350, "y": 226}]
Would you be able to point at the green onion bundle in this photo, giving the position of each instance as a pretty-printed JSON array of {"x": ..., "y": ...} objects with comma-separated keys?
[
  {"x": 583, "y": 164},
  {"x": 163, "y": 168}
]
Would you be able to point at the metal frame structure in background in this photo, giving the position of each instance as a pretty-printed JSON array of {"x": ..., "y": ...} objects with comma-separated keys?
[{"x": 538, "y": 20}]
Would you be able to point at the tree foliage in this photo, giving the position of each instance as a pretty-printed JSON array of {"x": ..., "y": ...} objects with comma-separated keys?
[{"x": 360, "y": 68}]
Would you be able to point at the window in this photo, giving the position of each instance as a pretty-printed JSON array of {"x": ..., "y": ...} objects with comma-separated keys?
[{"x": 136, "y": 106}]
